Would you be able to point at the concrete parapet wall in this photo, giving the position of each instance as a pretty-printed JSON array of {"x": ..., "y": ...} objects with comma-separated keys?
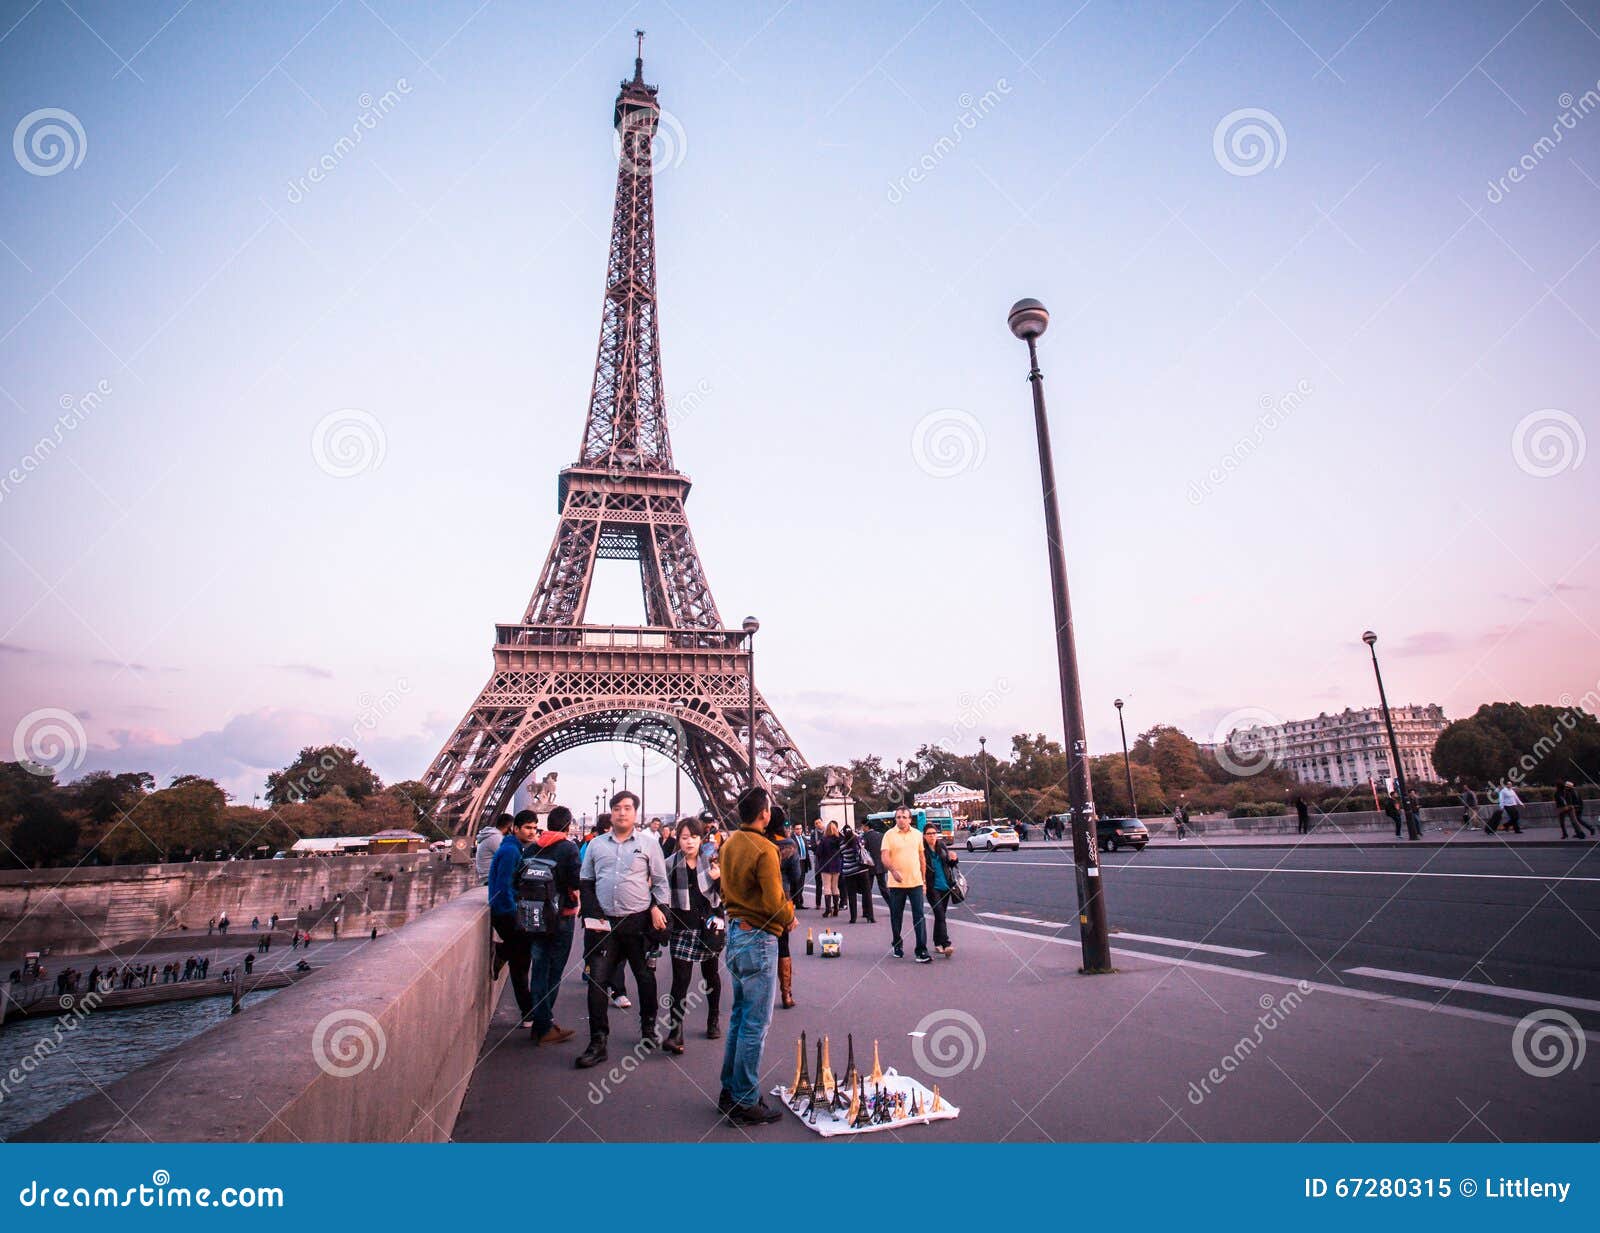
[
  {"x": 1540, "y": 813},
  {"x": 377, "y": 1047},
  {"x": 75, "y": 911}
]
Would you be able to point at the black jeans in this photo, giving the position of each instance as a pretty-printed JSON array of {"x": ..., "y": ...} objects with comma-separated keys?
[
  {"x": 939, "y": 901},
  {"x": 859, "y": 886},
  {"x": 518, "y": 954},
  {"x": 899, "y": 896},
  {"x": 710, "y": 989},
  {"x": 626, "y": 942}
]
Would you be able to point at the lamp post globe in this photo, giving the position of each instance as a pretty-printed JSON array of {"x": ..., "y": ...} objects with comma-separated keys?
[
  {"x": 1028, "y": 319},
  {"x": 1369, "y": 638}
]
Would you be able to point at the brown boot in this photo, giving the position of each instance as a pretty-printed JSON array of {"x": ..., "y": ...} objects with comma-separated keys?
[
  {"x": 786, "y": 982},
  {"x": 557, "y": 1035}
]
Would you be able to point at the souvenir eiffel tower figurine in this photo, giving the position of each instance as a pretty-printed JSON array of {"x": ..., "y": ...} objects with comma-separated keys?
[
  {"x": 825, "y": 1076},
  {"x": 916, "y": 1104},
  {"x": 850, "y": 1071},
  {"x": 853, "y": 1114},
  {"x": 863, "y": 1114},
  {"x": 811, "y": 1108},
  {"x": 800, "y": 1089},
  {"x": 877, "y": 1070},
  {"x": 938, "y": 1103},
  {"x": 819, "y": 1090}
]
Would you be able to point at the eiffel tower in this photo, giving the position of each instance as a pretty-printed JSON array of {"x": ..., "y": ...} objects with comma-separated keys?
[{"x": 679, "y": 684}]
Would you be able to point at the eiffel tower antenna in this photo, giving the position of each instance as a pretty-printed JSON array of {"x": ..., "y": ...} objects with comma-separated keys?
[{"x": 679, "y": 683}]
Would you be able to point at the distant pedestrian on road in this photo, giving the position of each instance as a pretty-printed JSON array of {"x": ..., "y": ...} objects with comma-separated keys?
[
  {"x": 1180, "y": 820},
  {"x": 1469, "y": 808},
  {"x": 1569, "y": 807},
  {"x": 1303, "y": 814},
  {"x": 1511, "y": 803}
]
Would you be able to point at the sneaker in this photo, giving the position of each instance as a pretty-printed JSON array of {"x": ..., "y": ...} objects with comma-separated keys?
[
  {"x": 924, "y": 957},
  {"x": 899, "y": 951},
  {"x": 758, "y": 1114},
  {"x": 621, "y": 1001}
]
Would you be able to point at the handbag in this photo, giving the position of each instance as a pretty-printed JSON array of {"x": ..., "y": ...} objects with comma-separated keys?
[
  {"x": 714, "y": 933},
  {"x": 958, "y": 883}
]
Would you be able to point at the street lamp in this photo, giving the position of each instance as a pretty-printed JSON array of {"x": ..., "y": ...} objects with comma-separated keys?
[
  {"x": 750, "y": 627},
  {"x": 1133, "y": 806},
  {"x": 983, "y": 757},
  {"x": 1028, "y": 319},
  {"x": 1412, "y": 829}
]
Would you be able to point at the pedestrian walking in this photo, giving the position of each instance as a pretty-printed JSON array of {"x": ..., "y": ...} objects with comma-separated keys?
[
  {"x": 872, "y": 841},
  {"x": 1511, "y": 803},
  {"x": 1569, "y": 807},
  {"x": 1469, "y": 808},
  {"x": 514, "y": 943},
  {"x": 855, "y": 871},
  {"x": 1303, "y": 814},
  {"x": 905, "y": 864},
  {"x": 697, "y": 931},
  {"x": 789, "y": 871},
  {"x": 939, "y": 860},
  {"x": 830, "y": 859},
  {"x": 548, "y": 952},
  {"x": 623, "y": 885},
  {"x": 758, "y": 913}
]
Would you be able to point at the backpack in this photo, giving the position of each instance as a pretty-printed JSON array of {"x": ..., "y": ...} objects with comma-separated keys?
[{"x": 538, "y": 900}]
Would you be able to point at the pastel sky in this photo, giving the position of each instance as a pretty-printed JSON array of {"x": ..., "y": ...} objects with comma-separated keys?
[{"x": 1335, "y": 374}]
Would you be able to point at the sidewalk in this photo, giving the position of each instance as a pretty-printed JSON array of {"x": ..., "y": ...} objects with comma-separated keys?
[
  {"x": 1325, "y": 836},
  {"x": 1031, "y": 1051}
]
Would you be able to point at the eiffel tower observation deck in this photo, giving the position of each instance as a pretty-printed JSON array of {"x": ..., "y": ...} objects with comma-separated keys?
[{"x": 681, "y": 682}]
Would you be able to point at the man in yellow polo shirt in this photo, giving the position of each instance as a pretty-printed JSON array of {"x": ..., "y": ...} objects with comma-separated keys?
[{"x": 903, "y": 857}]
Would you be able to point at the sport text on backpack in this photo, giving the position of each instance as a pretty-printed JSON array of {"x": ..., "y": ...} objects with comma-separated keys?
[{"x": 538, "y": 902}]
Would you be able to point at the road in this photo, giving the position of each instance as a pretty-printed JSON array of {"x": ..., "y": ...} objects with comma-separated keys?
[{"x": 1520, "y": 929}]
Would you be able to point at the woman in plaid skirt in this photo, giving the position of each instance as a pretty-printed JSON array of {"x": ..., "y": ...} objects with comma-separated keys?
[{"x": 698, "y": 930}]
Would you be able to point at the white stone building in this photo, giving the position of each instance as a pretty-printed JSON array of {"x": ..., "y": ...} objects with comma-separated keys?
[{"x": 1347, "y": 750}]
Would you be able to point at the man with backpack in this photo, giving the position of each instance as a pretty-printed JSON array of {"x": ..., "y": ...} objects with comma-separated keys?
[
  {"x": 504, "y": 869},
  {"x": 548, "y": 950}
]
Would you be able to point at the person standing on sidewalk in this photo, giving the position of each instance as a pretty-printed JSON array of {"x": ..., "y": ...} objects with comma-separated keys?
[
  {"x": 789, "y": 870},
  {"x": 1302, "y": 813},
  {"x": 758, "y": 914},
  {"x": 548, "y": 954},
  {"x": 1569, "y": 805},
  {"x": 830, "y": 856},
  {"x": 698, "y": 930},
  {"x": 514, "y": 943},
  {"x": 872, "y": 841},
  {"x": 802, "y": 848},
  {"x": 1511, "y": 803},
  {"x": 1469, "y": 808},
  {"x": 905, "y": 865},
  {"x": 855, "y": 878},
  {"x": 623, "y": 886},
  {"x": 939, "y": 860}
]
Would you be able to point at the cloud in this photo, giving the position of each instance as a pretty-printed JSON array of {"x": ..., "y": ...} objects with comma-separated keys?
[
  {"x": 311, "y": 670},
  {"x": 11, "y": 648},
  {"x": 1429, "y": 642}
]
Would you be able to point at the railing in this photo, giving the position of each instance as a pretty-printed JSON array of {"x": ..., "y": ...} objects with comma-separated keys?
[{"x": 619, "y": 636}]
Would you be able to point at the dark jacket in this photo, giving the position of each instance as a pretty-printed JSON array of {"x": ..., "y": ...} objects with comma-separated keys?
[
  {"x": 941, "y": 853},
  {"x": 850, "y": 852},
  {"x": 503, "y": 877},
  {"x": 828, "y": 851},
  {"x": 556, "y": 847},
  {"x": 679, "y": 917},
  {"x": 789, "y": 866},
  {"x": 872, "y": 837}
]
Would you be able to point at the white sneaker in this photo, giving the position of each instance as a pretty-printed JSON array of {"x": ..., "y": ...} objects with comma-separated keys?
[{"x": 621, "y": 1001}]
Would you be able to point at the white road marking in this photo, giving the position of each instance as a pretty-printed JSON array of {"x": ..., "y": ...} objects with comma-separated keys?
[
  {"x": 1235, "y": 951},
  {"x": 1139, "y": 866},
  {"x": 1456, "y": 1012},
  {"x": 1468, "y": 986}
]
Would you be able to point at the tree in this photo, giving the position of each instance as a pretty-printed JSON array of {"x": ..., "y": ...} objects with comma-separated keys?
[
  {"x": 318, "y": 770},
  {"x": 1172, "y": 754},
  {"x": 415, "y": 798},
  {"x": 1538, "y": 745},
  {"x": 1110, "y": 783},
  {"x": 106, "y": 797},
  {"x": 43, "y": 833}
]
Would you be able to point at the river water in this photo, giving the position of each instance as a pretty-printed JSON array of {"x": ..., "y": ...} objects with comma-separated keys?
[{"x": 100, "y": 1048}]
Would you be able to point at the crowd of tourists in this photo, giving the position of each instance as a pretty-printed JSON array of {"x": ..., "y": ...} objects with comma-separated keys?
[{"x": 721, "y": 907}]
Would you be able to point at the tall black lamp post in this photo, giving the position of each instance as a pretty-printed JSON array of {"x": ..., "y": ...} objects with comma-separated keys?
[
  {"x": 1127, "y": 769},
  {"x": 1028, "y": 319},
  {"x": 1371, "y": 639},
  {"x": 750, "y": 627},
  {"x": 983, "y": 757}
]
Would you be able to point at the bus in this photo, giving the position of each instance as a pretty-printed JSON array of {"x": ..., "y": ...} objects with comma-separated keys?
[{"x": 940, "y": 819}]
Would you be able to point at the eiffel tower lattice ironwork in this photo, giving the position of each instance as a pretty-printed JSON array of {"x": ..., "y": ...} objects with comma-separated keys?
[{"x": 679, "y": 684}]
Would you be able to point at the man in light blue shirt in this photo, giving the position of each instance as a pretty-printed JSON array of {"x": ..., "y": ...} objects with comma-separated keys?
[{"x": 623, "y": 884}]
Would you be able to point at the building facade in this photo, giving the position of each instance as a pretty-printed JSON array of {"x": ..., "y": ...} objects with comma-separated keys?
[{"x": 1347, "y": 750}]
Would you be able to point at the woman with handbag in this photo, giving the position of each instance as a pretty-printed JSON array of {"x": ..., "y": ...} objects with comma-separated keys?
[
  {"x": 697, "y": 931},
  {"x": 940, "y": 879},
  {"x": 855, "y": 872},
  {"x": 830, "y": 851}
]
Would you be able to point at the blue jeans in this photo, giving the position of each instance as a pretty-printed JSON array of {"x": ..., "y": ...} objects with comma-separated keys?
[
  {"x": 898, "y": 897},
  {"x": 752, "y": 958},
  {"x": 549, "y": 961}
]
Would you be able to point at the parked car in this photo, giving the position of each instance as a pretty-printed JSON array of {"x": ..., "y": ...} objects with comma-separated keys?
[
  {"x": 1117, "y": 833},
  {"x": 989, "y": 837}
]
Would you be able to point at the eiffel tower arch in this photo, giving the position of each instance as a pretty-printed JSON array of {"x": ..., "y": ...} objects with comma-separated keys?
[{"x": 681, "y": 682}]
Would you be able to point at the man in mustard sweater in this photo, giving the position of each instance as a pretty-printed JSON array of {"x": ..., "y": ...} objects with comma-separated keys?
[
  {"x": 758, "y": 912},
  {"x": 903, "y": 857}
]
